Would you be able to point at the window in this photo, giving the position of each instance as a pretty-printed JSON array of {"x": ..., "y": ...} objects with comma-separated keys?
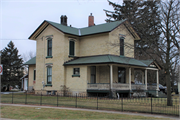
[
  {"x": 76, "y": 72},
  {"x": 34, "y": 74},
  {"x": 122, "y": 46},
  {"x": 71, "y": 48},
  {"x": 121, "y": 75},
  {"x": 93, "y": 74},
  {"x": 49, "y": 75},
  {"x": 49, "y": 47}
]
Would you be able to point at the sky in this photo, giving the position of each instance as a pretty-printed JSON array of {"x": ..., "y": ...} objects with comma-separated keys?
[{"x": 20, "y": 18}]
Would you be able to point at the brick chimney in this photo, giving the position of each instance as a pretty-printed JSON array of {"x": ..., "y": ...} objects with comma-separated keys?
[
  {"x": 63, "y": 20},
  {"x": 91, "y": 20}
]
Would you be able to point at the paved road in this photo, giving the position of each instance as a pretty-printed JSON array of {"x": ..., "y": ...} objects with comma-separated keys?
[{"x": 105, "y": 111}]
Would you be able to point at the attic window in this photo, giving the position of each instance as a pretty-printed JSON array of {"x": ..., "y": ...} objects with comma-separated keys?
[{"x": 121, "y": 45}]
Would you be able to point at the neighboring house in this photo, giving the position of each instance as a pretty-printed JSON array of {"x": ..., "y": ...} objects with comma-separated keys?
[
  {"x": 31, "y": 76},
  {"x": 94, "y": 59}
]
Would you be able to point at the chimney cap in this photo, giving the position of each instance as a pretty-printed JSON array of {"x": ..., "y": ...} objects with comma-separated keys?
[{"x": 90, "y": 14}]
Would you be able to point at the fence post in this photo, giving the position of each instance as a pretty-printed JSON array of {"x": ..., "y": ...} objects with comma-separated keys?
[
  {"x": 122, "y": 102},
  {"x": 151, "y": 104},
  {"x": 76, "y": 100},
  {"x": 57, "y": 98},
  {"x": 12, "y": 97},
  {"x": 26, "y": 98},
  {"x": 97, "y": 101},
  {"x": 41, "y": 99}
]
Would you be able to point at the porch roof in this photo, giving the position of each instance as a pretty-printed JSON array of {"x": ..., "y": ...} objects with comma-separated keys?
[{"x": 105, "y": 59}]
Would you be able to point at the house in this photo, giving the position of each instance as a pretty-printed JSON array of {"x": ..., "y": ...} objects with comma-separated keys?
[{"x": 94, "y": 59}]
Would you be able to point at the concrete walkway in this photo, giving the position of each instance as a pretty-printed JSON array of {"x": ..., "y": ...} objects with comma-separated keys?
[{"x": 104, "y": 111}]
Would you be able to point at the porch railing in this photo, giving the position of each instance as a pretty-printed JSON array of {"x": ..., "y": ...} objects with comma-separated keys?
[
  {"x": 151, "y": 87},
  {"x": 118, "y": 86},
  {"x": 100, "y": 86},
  {"x": 138, "y": 86}
]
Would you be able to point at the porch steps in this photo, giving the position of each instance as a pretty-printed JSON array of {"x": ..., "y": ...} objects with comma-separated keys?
[{"x": 160, "y": 94}]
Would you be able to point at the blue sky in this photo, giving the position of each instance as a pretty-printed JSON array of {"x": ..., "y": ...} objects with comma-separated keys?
[{"x": 20, "y": 18}]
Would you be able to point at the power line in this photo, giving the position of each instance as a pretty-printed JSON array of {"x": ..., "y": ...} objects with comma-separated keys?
[{"x": 15, "y": 39}]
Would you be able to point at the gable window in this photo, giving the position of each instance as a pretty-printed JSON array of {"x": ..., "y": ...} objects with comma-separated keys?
[
  {"x": 121, "y": 75},
  {"x": 49, "y": 75},
  {"x": 121, "y": 45},
  {"x": 34, "y": 75},
  {"x": 49, "y": 47},
  {"x": 76, "y": 72},
  {"x": 71, "y": 48}
]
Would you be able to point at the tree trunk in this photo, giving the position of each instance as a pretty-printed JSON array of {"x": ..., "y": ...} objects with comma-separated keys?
[{"x": 168, "y": 84}]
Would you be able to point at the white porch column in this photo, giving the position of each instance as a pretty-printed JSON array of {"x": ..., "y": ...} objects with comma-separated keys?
[
  {"x": 130, "y": 78},
  {"x": 111, "y": 77},
  {"x": 157, "y": 78},
  {"x": 146, "y": 79}
]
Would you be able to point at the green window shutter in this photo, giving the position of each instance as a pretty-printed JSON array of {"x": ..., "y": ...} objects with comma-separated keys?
[{"x": 71, "y": 48}]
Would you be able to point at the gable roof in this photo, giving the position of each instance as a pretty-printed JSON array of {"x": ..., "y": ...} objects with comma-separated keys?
[
  {"x": 101, "y": 28},
  {"x": 31, "y": 61},
  {"x": 104, "y": 59},
  {"x": 151, "y": 62}
]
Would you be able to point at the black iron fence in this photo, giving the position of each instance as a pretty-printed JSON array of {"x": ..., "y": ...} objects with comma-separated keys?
[{"x": 144, "y": 105}]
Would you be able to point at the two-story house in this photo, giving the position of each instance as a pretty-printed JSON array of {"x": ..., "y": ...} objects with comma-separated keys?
[{"x": 94, "y": 59}]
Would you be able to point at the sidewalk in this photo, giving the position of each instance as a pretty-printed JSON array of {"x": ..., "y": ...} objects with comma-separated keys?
[{"x": 105, "y": 111}]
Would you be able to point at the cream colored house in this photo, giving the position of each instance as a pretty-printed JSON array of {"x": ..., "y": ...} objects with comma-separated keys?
[{"x": 94, "y": 59}]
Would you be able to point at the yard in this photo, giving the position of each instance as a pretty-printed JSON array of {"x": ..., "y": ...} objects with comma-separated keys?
[
  {"x": 147, "y": 105},
  {"x": 15, "y": 112}
]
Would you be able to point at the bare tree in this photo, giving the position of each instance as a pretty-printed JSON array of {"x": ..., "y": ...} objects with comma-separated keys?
[
  {"x": 169, "y": 41},
  {"x": 27, "y": 56}
]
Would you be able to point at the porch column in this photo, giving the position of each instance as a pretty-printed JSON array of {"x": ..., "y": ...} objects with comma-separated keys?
[
  {"x": 157, "y": 78},
  {"x": 130, "y": 78},
  {"x": 111, "y": 77},
  {"x": 146, "y": 79}
]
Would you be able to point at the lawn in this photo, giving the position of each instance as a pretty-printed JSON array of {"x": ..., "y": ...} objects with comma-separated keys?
[
  {"x": 134, "y": 105},
  {"x": 15, "y": 112}
]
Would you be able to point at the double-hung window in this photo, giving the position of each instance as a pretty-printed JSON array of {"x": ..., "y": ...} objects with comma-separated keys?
[
  {"x": 121, "y": 45},
  {"x": 49, "y": 47},
  {"x": 71, "y": 48},
  {"x": 34, "y": 74},
  {"x": 76, "y": 72},
  {"x": 49, "y": 75}
]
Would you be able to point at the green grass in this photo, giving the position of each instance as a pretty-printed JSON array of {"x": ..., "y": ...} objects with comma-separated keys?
[
  {"x": 134, "y": 105},
  {"x": 15, "y": 112}
]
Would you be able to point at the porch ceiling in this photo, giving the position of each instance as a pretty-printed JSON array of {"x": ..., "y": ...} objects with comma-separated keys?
[{"x": 106, "y": 59}]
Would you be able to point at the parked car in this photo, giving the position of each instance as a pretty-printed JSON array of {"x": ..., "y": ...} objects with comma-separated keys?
[{"x": 161, "y": 87}]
